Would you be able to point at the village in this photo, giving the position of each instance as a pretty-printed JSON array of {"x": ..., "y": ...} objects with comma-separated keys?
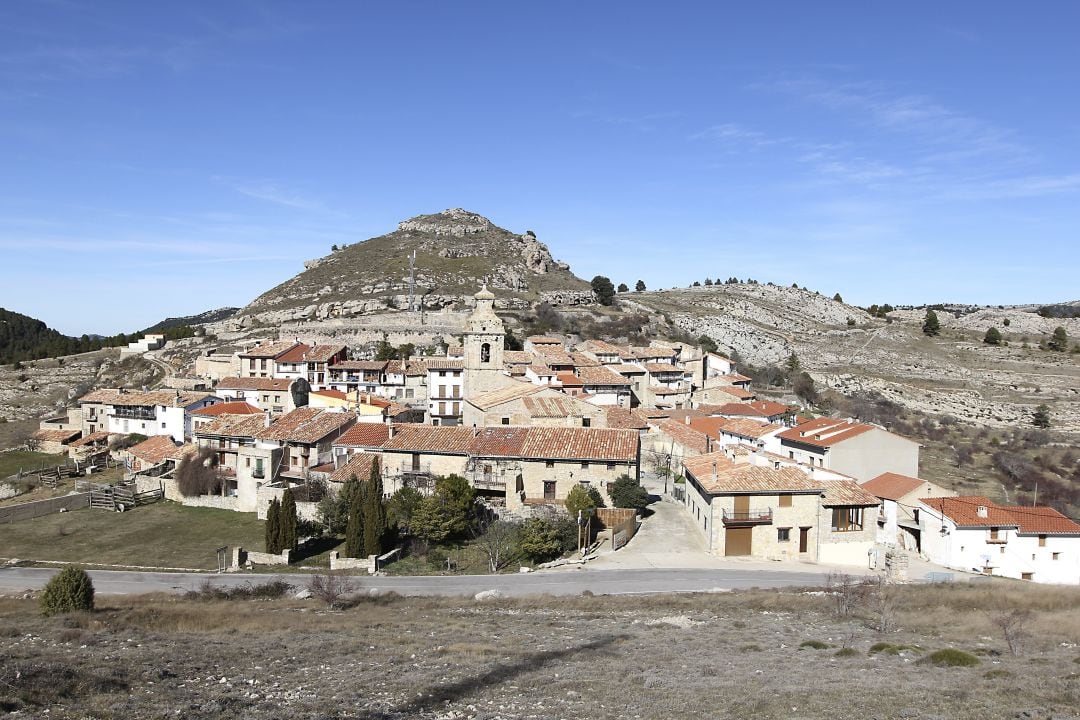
[{"x": 758, "y": 479}]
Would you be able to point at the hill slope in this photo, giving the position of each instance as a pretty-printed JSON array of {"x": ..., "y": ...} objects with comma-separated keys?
[{"x": 456, "y": 251}]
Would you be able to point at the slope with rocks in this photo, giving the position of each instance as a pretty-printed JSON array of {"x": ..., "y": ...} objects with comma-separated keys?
[
  {"x": 456, "y": 251},
  {"x": 954, "y": 373}
]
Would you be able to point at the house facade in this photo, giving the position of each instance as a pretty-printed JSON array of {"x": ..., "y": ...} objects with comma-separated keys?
[
  {"x": 859, "y": 450},
  {"x": 898, "y": 521}
]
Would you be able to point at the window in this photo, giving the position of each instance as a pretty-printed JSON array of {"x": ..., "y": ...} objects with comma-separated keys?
[
  {"x": 266, "y": 398},
  {"x": 611, "y": 466},
  {"x": 1042, "y": 538},
  {"x": 785, "y": 500},
  {"x": 247, "y": 462},
  {"x": 251, "y": 364},
  {"x": 549, "y": 463},
  {"x": 586, "y": 422},
  {"x": 442, "y": 373},
  {"x": 585, "y": 465},
  {"x": 262, "y": 364},
  {"x": 791, "y": 454},
  {"x": 847, "y": 519},
  {"x": 783, "y": 534},
  {"x": 1055, "y": 556},
  {"x": 163, "y": 427},
  {"x": 506, "y": 421},
  {"x": 277, "y": 398},
  {"x": 485, "y": 353},
  {"x": 457, "y": 408},
  {"x": 1027, "y": 576}
]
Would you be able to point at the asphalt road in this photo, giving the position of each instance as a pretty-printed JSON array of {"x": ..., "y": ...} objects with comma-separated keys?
[{"x": 573, "y": 582}]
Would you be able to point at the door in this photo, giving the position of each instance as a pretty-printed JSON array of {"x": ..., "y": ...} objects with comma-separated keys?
[
  {"x": 416, "y": 462},
  {"x": 742, "y": 508},
  {"x": 804, "y": 539},
  {"x": 738, "y": 541},
  {"x": 549, "y": 489},
  {"x": 487, "y": 474}
]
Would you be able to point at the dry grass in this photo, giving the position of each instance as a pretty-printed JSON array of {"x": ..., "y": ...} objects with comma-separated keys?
[{"x": 729, "y": 655}]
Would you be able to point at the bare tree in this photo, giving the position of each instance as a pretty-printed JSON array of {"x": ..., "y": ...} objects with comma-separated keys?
[
  {"x": 331, "y": 588},
  {"x": 499, "y": 541},
  {"x": 1013, "y": 625},
  {"x": 846, "y": 592}
]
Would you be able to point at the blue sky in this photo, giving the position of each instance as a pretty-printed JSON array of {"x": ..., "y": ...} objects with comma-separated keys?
[{"x": 167, "y": 158}]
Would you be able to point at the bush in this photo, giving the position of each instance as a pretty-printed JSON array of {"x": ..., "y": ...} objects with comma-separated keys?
[
  {"x": 931, "y": 326},
  {"x": 540, "y": 540},
  {"x": 195, "y": 475},
  {"x": 992, "y": 337},
  {"x": 70, "y": 590},
  {"x": 248, "y": 591},
  {"x": 814, "y": 644},
  {"x": 626, "y": 492},
  {"x": 950, "y": 657},
  {"x": 579, "y": 500}
]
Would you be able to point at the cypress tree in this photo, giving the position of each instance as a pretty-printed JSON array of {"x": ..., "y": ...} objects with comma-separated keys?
[
  {"x": 273, "y": 527},
  {"x": 287, "y": 523},
  {"x": 931, "y": 326},
  {"x": 354, "y": 531},
  {"x": 374, "y": 512}
]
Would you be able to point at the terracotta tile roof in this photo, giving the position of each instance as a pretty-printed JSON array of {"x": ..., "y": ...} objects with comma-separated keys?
[
  {"x": 55, "y": 435},
  {"x": 600, "y": 347},
  {"x": 665, "y": 391},
  {"x": 359, "y": 465},
  {"x": 372, "y": 400},
  {"x": 824, "y": 432},
  {"x": 964, "y": 511},
  {"x": 447, "y": 439},
  {"x": 542, "y": 370},
  {"x": 847, "y": 492},
  {"x": 151, "y": 398},
  {"x": 154, "y": 450},
  {"x": 1029, "y": 520},
  {"x": 364, "y": 435},
  {"x": 544, "y": 340},
  {"x": 734, "y": 378},
  {"x": 269, "y": 350},
  {"x": 396, "y": 409},
  {"x": 512, "y": 391},
  {"x": 499, "y": 442},
  {"x": 601, "y": 444},
  {"x": 601, "y": 375},
  {"x": 582, "y": 360},
  {"x": 892, "y": 486},
  {"x": 237, "y": 426},
  {"x": 752, "y": 429},
  {"x": 310, "y": 353},
  {"x": 735, "y": 392},
  {"x": 685, "y": 435},
  {"x": 455, "y": 352},
  {"x": 237, "y": 407},
  {"x": 306, "y": 425},
  {"x": 517, "y": 357},
  {"x": 761, "y": 408},
  {"x": 250, "y": 383},
  {"x": 627, "y": 369},
  {"x": 622, "y": 418},
  {"x": 568, "y": 379},
  {"x": 552, "y": 407},
  {"x": 716, "y": 474},
  {"x": 1041, "y": 520},
  {"x": 94, "y": 437},
  {"x": 444, "y": 364},
  {"x": 369, "y": 365},
  {"x": 662, "y": 368}
]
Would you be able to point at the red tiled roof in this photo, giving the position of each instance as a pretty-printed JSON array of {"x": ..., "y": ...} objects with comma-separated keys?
[
  {"x": 663, "y": 368},
  {"x": 513, "y": 391},
  {"x": 601, "y": 375},
  {"x": 250, "y": 383},
  {"x": 517, "y": 357},
  {"x": 499, "y": 442},
  {"x": 825, "y": 432},
  {"x": 622, "y": 418},
  {"x": 583, "y": 360},
  {"x": 602, "y": 444},
  {"x": 567, "y": 379},
  {"x": 541, "y": 370},
  {"x": 359, "y": 465},
  {"x": 761, "y": 408},
  {"x": 1029, "y": 520},
  {"x": 336, "y": 394},
  {"x": 310, "y": 353},
  {"x": 269, "y": 350},
  {"x": 150, "y": 398},
  {"x": 154, "y": 450},
  {"x": 364, "y": 435},
  {"x": 685, "y": 435},
  {"x": 716, "y": 474},
  {"x": 55, "y": 435},
  {"x": 847, "y": 492},
  {"x": 444, "y": 364},
  {"x": 430, "y": 438},
  {"x": 94, "y": 437},
  {"x": 306, "y": 425},
  {"x": 892, "y": 486},
  {"x": 237, "y": 407},
  {"x": 540, "y": 406},
  {"x": 238, "y": 426},
  {"x": 544, "y": 340},
  {"x": 627, "y": 369}
]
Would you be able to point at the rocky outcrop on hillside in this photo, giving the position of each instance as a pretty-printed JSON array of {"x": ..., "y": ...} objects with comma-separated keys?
[{"x": 456, "y": 251}]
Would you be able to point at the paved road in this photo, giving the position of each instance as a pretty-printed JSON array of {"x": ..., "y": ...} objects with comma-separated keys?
[{"x": 600, "y": 582}]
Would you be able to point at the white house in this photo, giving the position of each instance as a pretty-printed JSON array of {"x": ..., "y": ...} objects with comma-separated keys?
[
  {"x": 972, "y": 533},
  {"x": 859, "y": 450},
  {"x": 898, "y": 521},
  {"x": 156, "y": 412},
  {"x": 445, "y": 389}
]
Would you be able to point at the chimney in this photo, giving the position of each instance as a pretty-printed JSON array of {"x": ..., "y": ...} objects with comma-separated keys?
[
  {"x": 715, "y": 476},
  {"x": 982, "y": 512},
  {"x": 391, "y": 430},
  {"x": 687, "y": 418}
]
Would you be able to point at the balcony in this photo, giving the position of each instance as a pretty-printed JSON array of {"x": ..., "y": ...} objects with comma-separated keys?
[
  {"x": 488, "y": 483},
  {"x": 134, "y": 413},
  {"x": 746, "y": 518},
  {"x": 997, "y": 539}
]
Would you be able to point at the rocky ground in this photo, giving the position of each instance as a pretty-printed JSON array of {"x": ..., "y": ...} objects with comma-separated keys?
[
  {"x": 755, "y": 654},
  {"x": 954, "y": 373}
]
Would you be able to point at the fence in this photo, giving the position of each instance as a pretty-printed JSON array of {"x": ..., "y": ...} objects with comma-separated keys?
[
  {"x": 38, "y": 508},
  {"x": 622, "y": 522}
]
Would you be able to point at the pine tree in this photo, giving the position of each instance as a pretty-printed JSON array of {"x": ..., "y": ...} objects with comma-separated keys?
[
  {"x": 623, "y": 288},
  {"x": 374, "y": 512},
  {"x": 1059, "y": 341},
  {"x": 640, "y": 286},
  {"x": 1041, "y": 417},
  {"x": 837, "y": 298},
  {"x": 793, "y": 364},
  {"x": 931, "y": 327},
  {"x": 287, "y": 524},
  {"x": 354, "y": 531},
  {"x": 992, "y": 337},
  {"x": 273, "y": 527}
]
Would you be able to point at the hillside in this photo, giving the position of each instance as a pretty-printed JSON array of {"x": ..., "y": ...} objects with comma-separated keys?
[
  {"x": 25, "y": 338},
  {"x": 209, "y": 316},
  {"x": 456, "y": 251},
  {"x": 954, "y": 373}
]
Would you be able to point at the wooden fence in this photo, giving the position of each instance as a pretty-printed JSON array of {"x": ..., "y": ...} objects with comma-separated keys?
[
  {"x": 622, "y": 522},
  {"x": 38, "y": 508}
]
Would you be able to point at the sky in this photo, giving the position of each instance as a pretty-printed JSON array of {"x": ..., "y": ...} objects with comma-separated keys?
[{"x": 162, "y": 159}]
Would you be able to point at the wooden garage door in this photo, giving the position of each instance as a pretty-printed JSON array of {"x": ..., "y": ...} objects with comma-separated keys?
[{"x": 737, "y": 541}]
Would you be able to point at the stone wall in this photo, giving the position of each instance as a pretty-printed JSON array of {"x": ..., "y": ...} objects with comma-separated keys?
[{"x": 340, "y": 563}]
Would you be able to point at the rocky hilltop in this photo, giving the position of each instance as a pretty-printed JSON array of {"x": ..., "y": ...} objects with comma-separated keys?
[{"x": 456, "y": 250}]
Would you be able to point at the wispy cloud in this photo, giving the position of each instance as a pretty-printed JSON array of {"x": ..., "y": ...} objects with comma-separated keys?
[
  {"x": 735, "y": 136},
  {"x": 272, "y": 191}
]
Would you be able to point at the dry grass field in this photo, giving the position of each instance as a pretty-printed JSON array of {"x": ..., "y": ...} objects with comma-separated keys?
[{"x": 751, "y": 654}]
